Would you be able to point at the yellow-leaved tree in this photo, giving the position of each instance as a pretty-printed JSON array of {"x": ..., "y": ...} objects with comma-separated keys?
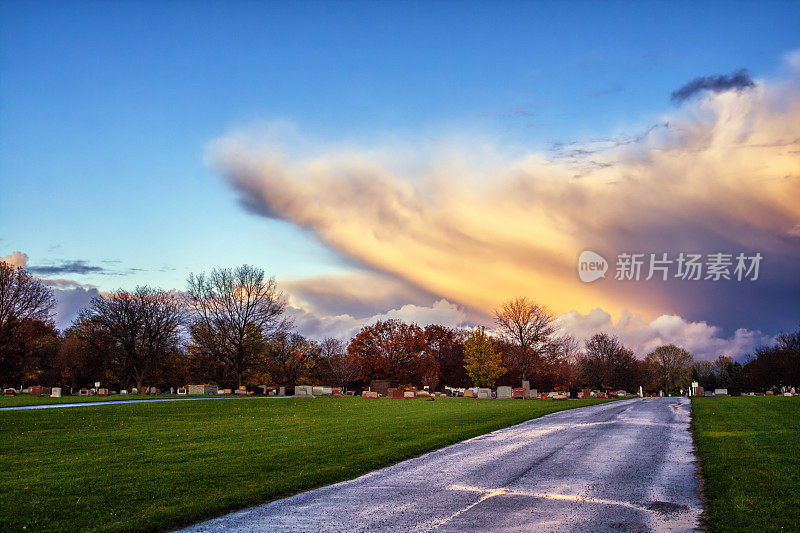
[{"x": 480, "y": 361}]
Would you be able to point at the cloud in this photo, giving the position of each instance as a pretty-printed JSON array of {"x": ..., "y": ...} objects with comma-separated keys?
[
  {"x": 17, "y": 259},
  {"x": 360, "y": 294},
  {"x": 317, "y": 325},
  {"x": 472, "y": 223},
  {"x": 67, "y": 267},
  {"x": 738, "y": 81},
  {"x": 702, "y": 340},
  {"x": 71, "y": 297}
]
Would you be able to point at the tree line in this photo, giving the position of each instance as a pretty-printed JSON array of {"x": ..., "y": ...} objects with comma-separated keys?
[{"x": 230, "y": 327}]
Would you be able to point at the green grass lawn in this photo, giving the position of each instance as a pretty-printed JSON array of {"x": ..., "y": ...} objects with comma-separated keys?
[
  {"x": 27, "y": 399},
  {"x": 155, "y": 466},
  {"x": 749, "y": 451}
]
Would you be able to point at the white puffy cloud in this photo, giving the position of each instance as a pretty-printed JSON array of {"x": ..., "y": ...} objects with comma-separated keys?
[
  {"x": 17, "y": 259},
  {"x": 316, "y": 325},
  {"x": 702, "y": 340}
]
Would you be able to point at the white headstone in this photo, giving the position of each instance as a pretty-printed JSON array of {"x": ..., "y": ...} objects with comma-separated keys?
[
  {"x": 304, "y": 391},
  {"x": 484, "y": 394},
  {"x": 504, "y": 393},
  {"x": 55, "y": 392}
]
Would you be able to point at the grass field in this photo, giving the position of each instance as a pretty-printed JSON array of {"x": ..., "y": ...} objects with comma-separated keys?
[
  {"x": 749, "y": 451},
  {"x": 27, "y": 399},
  {"x": 154, "y": 466}
]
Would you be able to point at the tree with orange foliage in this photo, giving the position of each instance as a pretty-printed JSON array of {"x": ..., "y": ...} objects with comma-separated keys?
[{"x": 394, "y": 350}]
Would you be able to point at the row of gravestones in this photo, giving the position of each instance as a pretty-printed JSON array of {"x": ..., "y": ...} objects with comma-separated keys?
[{"x": 309, "y": 391}]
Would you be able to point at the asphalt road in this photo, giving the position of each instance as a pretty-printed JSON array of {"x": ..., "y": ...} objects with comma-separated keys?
[{"x": 620, "y": 466}]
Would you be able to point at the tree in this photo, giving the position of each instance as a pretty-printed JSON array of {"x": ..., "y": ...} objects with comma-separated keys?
[
  {"x": 136, "y": 330},
  {"x": 669, "y": 368},
  {"x": 530, "y": 328},
  {"x": 774, "y": 366},
  {"x": 234, "y": 314},
  {"x": 24, "y": 302},
  {"x": 728, "y": 372},
  {"x": 292, "y": 355},
  {"x": 446, "y": 346},
  {"x": 340, "y": 365},
  {"x": 393, "y": 350},
  {"x": 607, "y": 363},
  {"x": 481, "y": 362}
]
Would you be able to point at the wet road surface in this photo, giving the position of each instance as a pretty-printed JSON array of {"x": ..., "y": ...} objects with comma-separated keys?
[{"x": 620, "y": 466}]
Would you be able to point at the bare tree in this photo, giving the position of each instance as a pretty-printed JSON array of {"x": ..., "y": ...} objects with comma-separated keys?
[
  {"x": 607, "y": 363},
  {"x": 669, "y": 368},
  {"x": 143, "y": 327},
  {"x": 23, "y": 299},
  {"x": 341, "y": 366},
  {"x": 530, "y": 328},
  {"x": 234, "y": 313}
]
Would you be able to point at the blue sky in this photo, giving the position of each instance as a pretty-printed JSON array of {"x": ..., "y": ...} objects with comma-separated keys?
[{"x": 107, "y": 108}]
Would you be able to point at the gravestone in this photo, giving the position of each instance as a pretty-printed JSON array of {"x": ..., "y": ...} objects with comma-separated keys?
[
  {"x": 620, "y": 394},
  {"x": 369, "y": 394},
  {"x": 198, "y": 390},
  {"x": 699, "y": 391},
  {"x": 586, "y": 393},
  {"x": 83, "y": 392},
  {"x": 533, "y": 394},
  {"x": 123, "y": 391},
  {"x": 55, "y": 392},
  {"x": 720, "y": 392},
  {"x": 381, "y": 386},
  {"x": 518, "y": 393},
  {"x": 281, "y": 391},
  {"x": 504, "y": 393},
  {"x": 484, "y": 394},
  {"x": 422, "y": 394},
  {"x": 336, "y": 392},
  {"x": 787, "y": 393},
  {"x": 102, "y": 392},
  {"x": 317, "y": 390},
  {"x": 36, "y": 390},
  {"x": 770, "y": 393},
  {"x": 408, "y": 394},
  {"x": 181, "y": 391},
  {"x": 303, "y": 391},
  {"x": 468, "y": 393}
]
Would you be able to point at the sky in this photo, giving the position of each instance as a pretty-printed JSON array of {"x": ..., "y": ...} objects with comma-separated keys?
[{"x": 415, "y": 160}]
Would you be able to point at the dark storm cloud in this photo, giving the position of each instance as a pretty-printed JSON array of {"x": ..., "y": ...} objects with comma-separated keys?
[
  {"x": 738, "y": 80},
  {"x": 66, "y": 267}
]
